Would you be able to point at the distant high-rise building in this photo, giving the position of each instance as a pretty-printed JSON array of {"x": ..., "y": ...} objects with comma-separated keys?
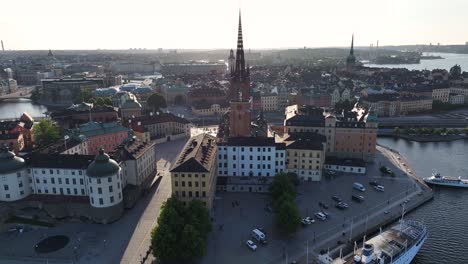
[{"x": 351, "y": 59}]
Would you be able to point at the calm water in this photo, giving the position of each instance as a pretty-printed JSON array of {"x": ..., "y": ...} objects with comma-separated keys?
[
  {"x": 14, "y": 109},
  {"x": 449, "y": 60},
  {"x": 446, "y": 216}
]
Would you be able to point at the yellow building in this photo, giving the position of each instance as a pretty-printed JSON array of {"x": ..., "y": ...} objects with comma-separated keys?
[
  {"x": 193, "y": 175},
  {"x": 305, "y": 155}
]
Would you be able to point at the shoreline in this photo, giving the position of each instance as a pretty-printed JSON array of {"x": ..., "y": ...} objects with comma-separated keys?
[{"x": 428, "y": 138}]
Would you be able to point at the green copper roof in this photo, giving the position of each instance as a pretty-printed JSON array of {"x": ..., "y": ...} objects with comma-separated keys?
[
  {"x": 9, "y": 162},
  {"x": 102, "y": 166}
]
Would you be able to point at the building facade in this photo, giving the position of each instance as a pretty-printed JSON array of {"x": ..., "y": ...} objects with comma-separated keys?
[{"x": 193, "y": 174}]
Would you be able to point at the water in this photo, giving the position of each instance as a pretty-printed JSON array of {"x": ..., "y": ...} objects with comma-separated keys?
[
  {"x": 446, "y": 215},
  {"x": 450, "y": 59},
  {"x": 14, "y": 109}
]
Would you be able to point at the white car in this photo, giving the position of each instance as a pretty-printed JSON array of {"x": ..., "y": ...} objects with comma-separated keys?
[
  {"x": 251, "y": 245},
  {"x": 321, "y": 216},
  {"x": 379, "y": 188}
]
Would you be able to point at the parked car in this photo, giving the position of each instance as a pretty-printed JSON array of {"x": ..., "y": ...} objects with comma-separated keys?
[
  {"x": 342, "y": 205},
  {"x": 336, "y": 198},
  {"x": 379, "y": 188},
  {"x": 359, "y": 187},
  {"x": 250, "y": 244},
  {"x": 321, "y": 216},
  {"x": 327, "y": 214},
  {"x": 307, "y": 220},
  {"x": 323, "y": 205},
  {"x": 357, "y": 198}
]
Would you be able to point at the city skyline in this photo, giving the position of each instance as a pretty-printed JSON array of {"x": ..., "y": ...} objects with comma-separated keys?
[{"x": 208, "y": 24}]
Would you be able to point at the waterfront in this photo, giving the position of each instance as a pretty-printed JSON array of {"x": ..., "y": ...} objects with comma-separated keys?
[
  {"x": 445, "y": 215},
  {"x": 448, "y": 61},
  {"x": 14, "y": 109}
]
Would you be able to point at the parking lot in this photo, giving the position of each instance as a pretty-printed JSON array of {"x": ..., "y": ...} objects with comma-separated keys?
[{"x": 233, "y": 223}]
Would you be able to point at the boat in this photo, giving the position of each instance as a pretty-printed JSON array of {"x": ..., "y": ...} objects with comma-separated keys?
[
  {"x": 437, "y": 179},
  {"x": 398, "y": 245}
]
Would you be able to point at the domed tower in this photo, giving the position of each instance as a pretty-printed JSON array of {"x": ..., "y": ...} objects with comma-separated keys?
[
  {"x": 104, "y": 178},
  {"x": 14, "y": 183}
]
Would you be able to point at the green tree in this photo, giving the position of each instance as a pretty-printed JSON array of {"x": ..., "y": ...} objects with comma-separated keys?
[
  {"x": 45, "y": 132},
  {"x": 99, "y": 101},
  {"x": 287, "y": 215},
  {"x": 156, "y": 101},
  {"x": 396, "y": 131},
  {"x": 281, "y": 184},
  {"x": 80, "y": 96},
  {"x": 181, "y": 232},
  {"x": 466, "y": 130},
  {"x": 107, "y": 101},
  {"x": 383, "y": 170}
]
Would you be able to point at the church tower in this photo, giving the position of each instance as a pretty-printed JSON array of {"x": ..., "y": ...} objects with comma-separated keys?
[
  {"x": 351, "y": 59},
  {"x": 239, "y": 92},
  {"x": 231, "y": 63}
]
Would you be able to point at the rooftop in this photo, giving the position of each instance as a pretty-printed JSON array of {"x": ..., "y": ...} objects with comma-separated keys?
[
  {"x": 198, "y": 155},
  {"x": 92, "y": 129}
]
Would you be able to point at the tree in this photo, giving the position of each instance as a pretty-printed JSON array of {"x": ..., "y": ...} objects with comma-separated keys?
[
  {"x": 396, "y": 131},
  {"x": 45, "y": 133},
  {"x": 156, "y": 101},
  {"x": 80, "y": 96},
  {"x": 287, "y": 215},
  {"x": 281, "y": 184},
  {"x": 107, "y": 101},
  {"x": 99, "y": 101},
  {"x": 181, "y": 232}
]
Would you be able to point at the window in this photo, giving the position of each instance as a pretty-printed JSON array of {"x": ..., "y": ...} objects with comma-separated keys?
[
  {"x": 75, "y": 191},
  {"x": 68, "y": 191},
  {"x": 203, "y": 184},
  {"x": 61, "y": 190},
  {"x": 74, "y": 181},
  {"x": 7, "y": 196},
  {"x": 52, "y": 180},
  {"x": 203, "y": 194},
  {"x": 111, "y": 189},
  {"x": 196, "y": 184},
  {"x": 112, "y": 199},
  {"x": 82, "y": 192},
  {"x": 99, "y": 190},
  {"x": 51, "y": 171},
  {"x": 81, "y": 182},
  {"x": 109, "y": 179},
  {"x": 101, "y": 201},
  {"x": 183, "y": 184},
  {"x": 189, "y": 184},
  {"x": 190, "y": 193},
  {"x": 183, "y": 193},
  {"x": 98, "y": 181},
  {"x": 176, "y": 183},
  {"x": 37, "y": 180},
  {"x": 73, "y": 172},
  {"x": 44, "y": 181},
  {"x": 67, "y": 181},
  {"x": 120, "y": 195},
  {"x": 21, "y": 192},
  {"x": 5, "y": 187}
]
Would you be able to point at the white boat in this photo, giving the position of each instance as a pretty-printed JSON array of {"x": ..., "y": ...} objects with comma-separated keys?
[
  {"x": 437, "y": 179},
  {"x": 398, "y": 245}
]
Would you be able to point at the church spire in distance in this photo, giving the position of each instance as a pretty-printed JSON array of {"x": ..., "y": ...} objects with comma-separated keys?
[{"x": 351, "y": 52}]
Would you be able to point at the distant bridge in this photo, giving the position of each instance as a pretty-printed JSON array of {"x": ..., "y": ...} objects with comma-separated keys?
[{"x": 23, "y": 94}]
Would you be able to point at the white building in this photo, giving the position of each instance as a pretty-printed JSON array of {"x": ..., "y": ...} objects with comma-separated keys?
[
  {"x": 98, "y": 180},
  {"x": 456, "y": 99},
  {"x": 251, "y": 156},
  {"x": 269, "y": 102}
]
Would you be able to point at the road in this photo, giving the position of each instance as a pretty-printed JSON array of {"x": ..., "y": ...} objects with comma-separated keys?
[{"x": 140, "y": 242}]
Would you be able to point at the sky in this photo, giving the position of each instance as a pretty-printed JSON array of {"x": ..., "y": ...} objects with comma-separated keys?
[{"x": 212, "y": 24}]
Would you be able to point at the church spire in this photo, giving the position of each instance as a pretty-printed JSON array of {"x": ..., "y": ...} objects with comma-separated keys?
[
  {"x": 240, "y": 73},
  {"x": 351, "y": 52}
]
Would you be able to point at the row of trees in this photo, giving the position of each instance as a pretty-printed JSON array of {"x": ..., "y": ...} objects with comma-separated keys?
[
  {"x": 181, "y": 233},
  {"x": 384, "y": 170},
  {"x": 283, "y": 193},
  {"x": 429, "y": 131},
  {"x": 100, "y": 101}
]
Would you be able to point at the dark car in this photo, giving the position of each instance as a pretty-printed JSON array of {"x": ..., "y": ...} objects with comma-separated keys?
[
  {"x": 373, "y": 183},
  {"x": 336, "y": 198},
  {"x": 323, "y": 205},
  {"x": 341, "y": 205},
  {"x": 357, "y": 198}
]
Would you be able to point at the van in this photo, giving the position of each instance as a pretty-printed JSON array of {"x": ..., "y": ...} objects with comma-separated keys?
[
  {"x": 359, "y": 187},
  {"x": 357, "y": 198},
  {"x": 259, "y": 236}
]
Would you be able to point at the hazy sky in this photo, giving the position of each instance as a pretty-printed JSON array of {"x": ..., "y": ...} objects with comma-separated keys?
[{"x": 118, "y": 24}]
